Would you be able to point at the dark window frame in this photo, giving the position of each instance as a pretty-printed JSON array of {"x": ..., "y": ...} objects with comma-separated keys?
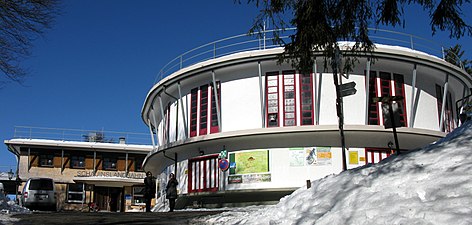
[
  {"x": 203, "y": 118},
  {"x": 46, "y": 159},
  {"x": 76, "y": 158},
  {"x": 289, "y": 95},
  {"x": 138, "y": 196},
  {"x": 108, "y": 161},
  {"x": 214, "y": 126},
  {"x": 272, "y": 114},
  {"x": 193, "y": 112},
  {"x": 306, "y": 99},
  {"x": 75, "y": 193}
]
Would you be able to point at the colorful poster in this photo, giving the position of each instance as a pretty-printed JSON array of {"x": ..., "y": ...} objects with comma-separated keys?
[
  {"x": 353, "y": 157},
  {"x": 311, "y": 156},
  {"x": 249, "y": 178},
  {"x": 297, "y": 156},
  {"x": 250, "y": 162},
  {"x": 323, "y": 155}
]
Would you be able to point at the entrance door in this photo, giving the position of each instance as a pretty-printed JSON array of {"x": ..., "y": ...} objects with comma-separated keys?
[
  {"x": 109, "y": 198},
  {"x": 203, "y": 174}
]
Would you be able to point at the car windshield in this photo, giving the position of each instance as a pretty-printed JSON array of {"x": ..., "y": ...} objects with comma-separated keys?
[{"x": 42, "y": 184}]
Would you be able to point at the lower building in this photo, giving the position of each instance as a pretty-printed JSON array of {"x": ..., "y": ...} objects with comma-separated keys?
[{"x": 107, "y": 174}]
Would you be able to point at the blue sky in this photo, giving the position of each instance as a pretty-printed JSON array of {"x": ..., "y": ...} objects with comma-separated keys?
[{"x": 94, "y": 68}]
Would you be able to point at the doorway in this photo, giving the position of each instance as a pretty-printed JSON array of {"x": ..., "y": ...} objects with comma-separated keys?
[{"x": 109, "y": 198}]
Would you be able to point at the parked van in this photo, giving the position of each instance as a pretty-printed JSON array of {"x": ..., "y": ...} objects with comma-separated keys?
[{"x": 39, "y": 193}]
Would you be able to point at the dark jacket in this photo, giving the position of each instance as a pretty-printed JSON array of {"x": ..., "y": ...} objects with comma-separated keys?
[
  {"x": 149, "y": 187},
  {"x": 171, "y": 188}
]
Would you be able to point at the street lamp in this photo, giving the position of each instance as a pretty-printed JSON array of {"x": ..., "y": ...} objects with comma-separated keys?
[{"x": 393, "y": 124}]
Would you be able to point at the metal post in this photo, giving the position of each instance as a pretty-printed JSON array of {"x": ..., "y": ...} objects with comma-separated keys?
[
  {"x": 261, "y": 96},
  {"x": 318, "y": 100},
  {"x": 214, "y": 49},
  {"x": 184, "y": 113},
  {"x": 29, "y": 159},
  {"x": 94, "y": 162},
  {"x": 367, "y": 91},
  {"x": 413, "y": 93},
  {"x": 215, "y": 92},
  {"x": 315, "y": 92},
  {"x": 181, "y": 61},
  {"x": 392, "y": 118},
  {"x": 339, "y": 106},
  {"x": 126, "y": 163},
  {"x": 62, "y": 160},
  {"x": 264, "y": 34}
]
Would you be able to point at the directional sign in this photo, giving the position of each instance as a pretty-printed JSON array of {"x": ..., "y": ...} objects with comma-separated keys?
[{"x": 348, "y": 89}]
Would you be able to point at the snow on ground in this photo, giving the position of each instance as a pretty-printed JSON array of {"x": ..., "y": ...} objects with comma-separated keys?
[
  {"x": 432, "y": 185},
  {"x": 7, "y": 208}
]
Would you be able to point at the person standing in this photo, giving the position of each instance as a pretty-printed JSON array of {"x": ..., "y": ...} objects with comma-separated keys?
[
  {"x": 171, "y": 191},
  {"x": 149, "y": 190}
]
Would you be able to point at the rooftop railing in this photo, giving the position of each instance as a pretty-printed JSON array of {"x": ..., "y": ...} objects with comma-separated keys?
[
  {"x": 265, "y": 40},
  {"x": 101, "y": 136}
]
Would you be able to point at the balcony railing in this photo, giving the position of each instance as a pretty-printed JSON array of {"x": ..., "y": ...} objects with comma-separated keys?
[
  {"x": 60, "y": 134},
  {"x": 265, "y": 40}
]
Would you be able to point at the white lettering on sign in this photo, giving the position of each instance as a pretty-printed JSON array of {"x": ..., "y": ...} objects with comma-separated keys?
[{"x": 89, "y": 173}]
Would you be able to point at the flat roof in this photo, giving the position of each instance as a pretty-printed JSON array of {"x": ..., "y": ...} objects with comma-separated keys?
[{"x": 16, "y": 144}]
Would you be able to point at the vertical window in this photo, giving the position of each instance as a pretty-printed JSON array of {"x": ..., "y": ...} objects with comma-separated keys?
[
  {"x": 385, "y": 84},
  {"x": 306, "y": 99},
  {"x": 138, "y": 164},
  {"x": 272, "y": 98},
  {"x": 109, "y": 163},
  {"x": 203, "y": 110},
  {"x": 46, "y": 160},
  {"x": 448, "y": 121},
  {"x": 373, "y": 113},
  {"x": 193, "y": 112},
  {"x": 289, "y": 98},
  {"x": 138, "y": 195},
  {"x": 214, "y": 127},
  {"x": 77, "y": 161},
  {"x": 75, "y": 193},
  {"x": 400, "y": 91},
  {"x": 167, "y": 124},
  {"x": 387, "y": 89}
]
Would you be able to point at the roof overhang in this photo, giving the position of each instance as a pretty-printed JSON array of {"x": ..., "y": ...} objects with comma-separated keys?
[
  {"x": 14, "y": 145},
  {"x": 284, "y": 137}
]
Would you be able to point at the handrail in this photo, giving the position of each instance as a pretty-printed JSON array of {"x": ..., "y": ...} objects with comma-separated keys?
[
  {"x": 63, "y": 134},
  {"x": 257, "y": 41}
]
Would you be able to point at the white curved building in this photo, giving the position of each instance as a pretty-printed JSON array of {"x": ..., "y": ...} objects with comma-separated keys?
[{"x": 280, "y": 127}]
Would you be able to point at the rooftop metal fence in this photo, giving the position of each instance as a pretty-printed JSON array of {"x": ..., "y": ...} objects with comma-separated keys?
[
  {"x": 265, "y": 40},
  {"x": 27, "y": 132}
]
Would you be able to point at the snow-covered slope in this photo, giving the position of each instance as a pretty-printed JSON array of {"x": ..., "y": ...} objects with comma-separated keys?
[{"x": 432, "y": 185}]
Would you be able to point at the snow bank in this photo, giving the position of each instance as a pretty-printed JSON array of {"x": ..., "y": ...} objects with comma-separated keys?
[
  {"x": 432, "y": 185},
  {"x": 7, "y": 208}
]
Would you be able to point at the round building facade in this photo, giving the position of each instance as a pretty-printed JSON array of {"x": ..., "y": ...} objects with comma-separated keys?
[{"x": 274, "y": 127}]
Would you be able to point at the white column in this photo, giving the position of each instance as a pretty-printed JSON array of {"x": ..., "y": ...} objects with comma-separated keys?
[
  {"x": 441, "y": 122},
  {"x": 413, "y": 93},
  {"x": 215, "y": 92},
  {"x": 184, "y": 112},
  {"x": 367, "y": 91}
]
